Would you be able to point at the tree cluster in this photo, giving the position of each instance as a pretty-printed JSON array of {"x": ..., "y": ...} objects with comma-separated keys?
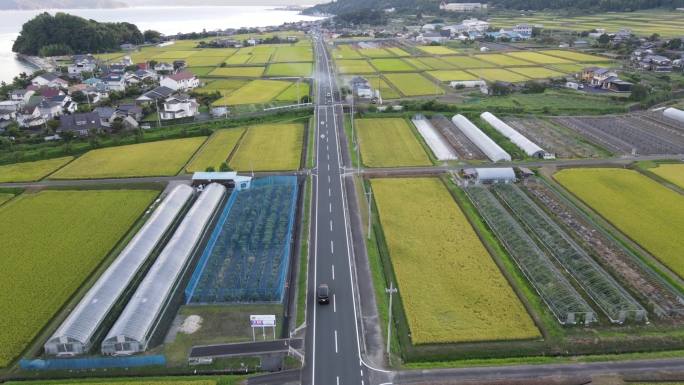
[{"x": 64, "y": 34}]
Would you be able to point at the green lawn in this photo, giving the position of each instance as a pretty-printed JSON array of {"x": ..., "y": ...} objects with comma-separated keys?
[
  {"x": 31, "y": 171},
  {"x": 270, "y": 147},
  {"x": 163, "y": 158},
  {"x": 389, "y": 143},
  {"x": 52, "y": 241}
]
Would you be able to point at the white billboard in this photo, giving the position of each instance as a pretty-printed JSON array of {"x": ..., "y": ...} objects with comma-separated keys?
[{"x": 262, "y": 321}]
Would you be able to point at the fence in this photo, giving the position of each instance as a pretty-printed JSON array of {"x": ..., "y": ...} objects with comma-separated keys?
[
  {"x": 248, "y": 254},
  {"x": 92, "y": 363}
]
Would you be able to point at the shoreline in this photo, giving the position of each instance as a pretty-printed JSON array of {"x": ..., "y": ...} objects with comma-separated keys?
[{"x": 39, "y": 63}]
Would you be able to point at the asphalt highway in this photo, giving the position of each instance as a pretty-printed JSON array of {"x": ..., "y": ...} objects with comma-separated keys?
[{"x": 332, "y": 343}]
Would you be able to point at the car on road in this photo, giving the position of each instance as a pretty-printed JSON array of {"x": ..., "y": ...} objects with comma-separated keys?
[{"x": 323, "y": 294}]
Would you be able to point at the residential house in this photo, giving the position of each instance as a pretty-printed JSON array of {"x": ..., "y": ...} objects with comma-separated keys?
[
  {"x": 139, "y": 76},
  {"x": 180, "y": 81},
  {"x": 93, "y": 81},
  {"x": 601, "y": 75},
  {"x": 82, "y": 63},
  {"x": 119, "y": 69},
  {"x": 155, "y": 95},
  {"x": 524, "y": 30},
  {"x": 431, "y": 37},
  {"x": 462, "y": 7},
  {"x": 7, "y": 116},
  {"x": 429, "y": 27},
  {"x": 616, "y": 85},
  {"x": 114, "y": 82},
  {"x": 50, "y": 110},
  {"x": 30, "y": 117},
  {"x": 106, "y": 114},
  {"x": 82, "y": 124},
  {"x": 131, "y": 110},
  {"x": 178, "y": 65},
  {"x": 656, "y": 63},
  {"x": 163, "y": 67},
  {"x": 65, "y": 101},
  {"x": 21, "y": 96},
  {"x": 49, "y": 80},
  {"x": 622, "y": 35},
  {"x": 580, "y": 44},
  {"x": 97, "y": 93},
  {"x": 179, "y": 107}
]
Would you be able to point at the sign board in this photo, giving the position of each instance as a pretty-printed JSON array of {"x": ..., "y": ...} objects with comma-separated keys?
[{"x": 262, "y": 321}]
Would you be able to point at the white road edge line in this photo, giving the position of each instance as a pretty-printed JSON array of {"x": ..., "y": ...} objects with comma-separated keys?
[
  {"x": 336, "y": 350},
  {"x": 334, "y": 303},
  {"x": 333, "y": 274}
]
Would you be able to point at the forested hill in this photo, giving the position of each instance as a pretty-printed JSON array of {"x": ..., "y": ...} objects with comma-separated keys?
[
  {"x": 64, "y": 34},
  {"x": 341, "y": 7}
]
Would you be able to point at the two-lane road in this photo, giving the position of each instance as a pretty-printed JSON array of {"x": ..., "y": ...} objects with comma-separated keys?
[{"x": 333, "y": 354}]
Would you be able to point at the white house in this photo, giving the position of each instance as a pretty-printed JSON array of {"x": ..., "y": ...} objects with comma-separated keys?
[
  {"x": 178, "y": 107},
  {"x": 462, "y": 7},
  {"x": 21, "y": 96},
  {"x": 181, "y": 81},
  {"x": 431, "y": 37},
  {"x": 82, "y": 63},
  {"x": 115, "y": 82},
  {"x": 523, "y": 29},
  {"x": 50, "y": 80}
]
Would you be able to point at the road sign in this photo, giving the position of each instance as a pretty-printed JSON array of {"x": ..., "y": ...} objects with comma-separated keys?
[{"x": 262, "y": 321}]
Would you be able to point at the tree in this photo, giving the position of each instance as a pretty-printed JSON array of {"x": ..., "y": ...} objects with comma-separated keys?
[
  {"x": 79, "y": 97},
  {"x": 639, "y": 92},
  {"x": 53, "y": 125},
  {"x": 604, "y": 39},
  {"x": 224, "y": 167},
  {"x": 210, "y": 169},
  {"x": 152, "y": 36},
  {"x": 675, "y": 43},
  {"x": 654, "y": 37}
]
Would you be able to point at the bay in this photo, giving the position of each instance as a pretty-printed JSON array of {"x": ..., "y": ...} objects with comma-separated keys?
[{"x": 167, "y": 20}]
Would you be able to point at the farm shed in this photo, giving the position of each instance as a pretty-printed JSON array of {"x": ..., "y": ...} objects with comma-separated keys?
[
  {"x": 77, "y": 333},
  {"x": 529, "y": 147},
  {"x": 674, "y": 114},
  {"x": 229, "y": 179},
  {"x": 434, "y": 140},
  {"x": 135, "y": 328},
  {"x": 493, "y": 151},
  {"x": 490, "y": 175}
]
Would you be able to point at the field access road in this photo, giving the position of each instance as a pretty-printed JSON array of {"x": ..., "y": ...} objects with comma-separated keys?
[{"x": 333, "y": 355}]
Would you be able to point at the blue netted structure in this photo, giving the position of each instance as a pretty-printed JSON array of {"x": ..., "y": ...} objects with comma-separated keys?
[{"x": 246, "y": 258}]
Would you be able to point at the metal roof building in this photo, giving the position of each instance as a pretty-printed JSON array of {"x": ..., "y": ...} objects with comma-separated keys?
[
  {"x": 529, "y": 147},
  {"x": 491, "y": 174},
  {"x": 135, "y": 327},
  {"x": 674, "y": 114},
  {"x": 493, "y": 151},
  {"x": 77, "y": 333}
]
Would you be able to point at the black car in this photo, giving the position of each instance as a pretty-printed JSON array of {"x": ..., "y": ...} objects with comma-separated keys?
[{"x": 323, "y": 294}]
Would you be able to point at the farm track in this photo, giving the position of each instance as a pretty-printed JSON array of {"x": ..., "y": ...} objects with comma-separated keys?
[
  {"x": 552, "y": 139},
  {"x": 625, "y": 134},
  {"x": 465, "y": 149},
  {"x": 640, "y": 278}
]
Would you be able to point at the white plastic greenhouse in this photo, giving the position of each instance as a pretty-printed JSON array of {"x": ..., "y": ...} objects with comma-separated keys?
[
  {"x": 76, "y": 334},
  {"x": 529, "y": 147},
  {"x": 674, "y": 114},
  {"x": 433, "y": 139},
  {"x": 493, "y": 151},
  {"x": 135, "y": 327}
]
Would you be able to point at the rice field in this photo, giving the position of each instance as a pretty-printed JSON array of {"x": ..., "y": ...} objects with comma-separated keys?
[
  {"x": 450, "y": 75},
  {"x": 238, "y": 72},
  {"x": 435, "y": 63},
  {"x": 672, "y": 172},
  {"x": 163, "y": 158},
  {"x": 649, "y": 213},
  {"x": 354, "y": 67},
  {"x": 204, "y": 61},
  {"x": 346, "y": 52},
  {"x": 413, "y": 84},
  {"x": 375, "y": 52},
  {"x": 498, "y": 74},
  {"x": 255, "y": 92},
  {"x": 31, "y": 171},
  {"x": 537, "y": 72},
  {"x": 269, "y": 147},
  {"x": 215, "y": 150},
  {"x": 503, "y": 60},
  {"x": 417, "y": 63},
  {"x": 437, "y": 50},
  {"x": 4, "y": 197},
  {"x": 224, "y": 86},
  {"x": 389, "y": 143},
  {"x": 52, "y": 241},
  {"x": 467, "y": 62},
  {"x": 575, "y": 56},
  {"x": 538, "y": 58},
  {"x": 450, "y": 288},
  {"x": 396, "y": 51},
  {"x": 290, "y": 69},
  {"x": 294, "y": 53},
  {"x": 392, "y": 65},
  {"x": 294, "y": 93}
]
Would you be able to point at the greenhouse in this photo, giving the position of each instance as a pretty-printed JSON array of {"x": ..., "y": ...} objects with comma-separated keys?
[
  {"x": 674, "y": 114},
  {"x": 135, "y": 327},
  {"x": 434, "y": 140},
  {"x": 493, "y": 151},
  {"x": 529, "y": 147},
  {"x": 248, "y": 254},
  {"x": 76, "y": 334}
]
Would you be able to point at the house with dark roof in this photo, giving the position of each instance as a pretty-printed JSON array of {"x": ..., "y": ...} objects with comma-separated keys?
[
  {"x": 155, "y": 95},
  {"x": 50, "y": 80},
  {"x": 82, "y": 63},
  {"x": 82, "y": 124},
  {"x": 114, "y": 82},
  {"x": 180, "y": 81},
  {"x": 125, "y": 110},
  {"x": 22, "y": 96},
  {"x": 106, "y": 114}
]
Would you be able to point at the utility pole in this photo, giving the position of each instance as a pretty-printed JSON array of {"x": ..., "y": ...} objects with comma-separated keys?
[
  {"x": 156, "y": 104},
  {"x": 390, "y": 291}
]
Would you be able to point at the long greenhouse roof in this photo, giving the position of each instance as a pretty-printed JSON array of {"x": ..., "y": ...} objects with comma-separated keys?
[
  {"x": 139, "y": 316},
  {"x": 84, "y": 320}
]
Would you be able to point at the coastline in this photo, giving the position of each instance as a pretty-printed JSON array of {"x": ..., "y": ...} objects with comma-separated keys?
[{"x": 39, "y": 63}]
